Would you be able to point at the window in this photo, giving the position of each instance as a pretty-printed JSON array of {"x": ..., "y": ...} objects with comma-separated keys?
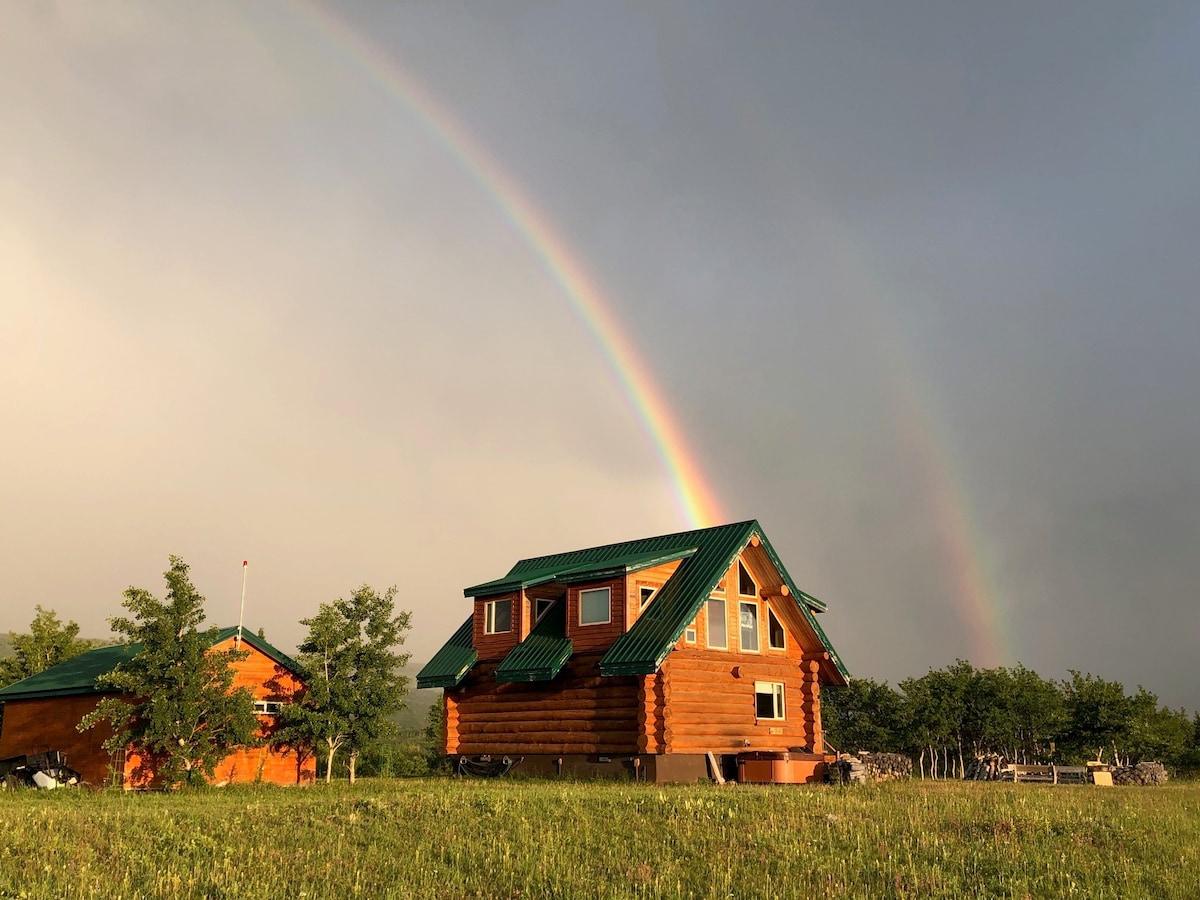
[
  {"x": 595, "y": 606},
  {"x": 768, "y": 700},
  {"x": 541, "y": 606},
  {"x": 746, "y": 585},
  {"x": 689, "y": 636},
  {"x": 646, "y": 594},
  {"x": 266, "y": 707},
  {"x": 497, "y": 617},
  {"x": 748, "y": 626},
  {"x": 776, "y": 636},
  {"x": 718, "y": 636}
]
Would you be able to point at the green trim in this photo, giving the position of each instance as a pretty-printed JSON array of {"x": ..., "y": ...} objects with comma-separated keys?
[
  {"x": 523, "y": 576},
  {"x": 451, "y": 664},
  {"x": 541, "y": 656},
  {"x": 78, "y": 674}
]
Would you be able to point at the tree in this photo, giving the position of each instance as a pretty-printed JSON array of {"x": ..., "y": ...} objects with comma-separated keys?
[
  {"x": 865, "y": 715},
  {"x": 48, "y": 643},
  {"x": 353, "y": 678},
  {"x": 178, "y": 706}
]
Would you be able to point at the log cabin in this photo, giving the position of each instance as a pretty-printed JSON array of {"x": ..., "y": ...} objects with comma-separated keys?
[
  {"x": 41, "y": 713},
  {"x": 670, "y": 658}
]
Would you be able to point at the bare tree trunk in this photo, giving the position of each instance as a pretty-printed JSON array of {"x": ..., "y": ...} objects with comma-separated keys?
[
  {"x": 922, "y": 763},
  {"x": 353, "y": 763},
  {"x": 329, "y": 764}
]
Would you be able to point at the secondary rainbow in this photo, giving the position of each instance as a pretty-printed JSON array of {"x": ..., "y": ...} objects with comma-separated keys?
[{"x": 697, "y": 501}]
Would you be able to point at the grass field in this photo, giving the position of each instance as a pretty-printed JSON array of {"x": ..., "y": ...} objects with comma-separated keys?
[{"x": 528, "y": 839}]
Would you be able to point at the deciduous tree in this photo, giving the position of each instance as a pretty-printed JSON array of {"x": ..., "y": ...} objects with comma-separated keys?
[
  {"x": 353, "y": 676},
  {"x": 177, "y": 704},
  {"x": 48, "y": 643}
]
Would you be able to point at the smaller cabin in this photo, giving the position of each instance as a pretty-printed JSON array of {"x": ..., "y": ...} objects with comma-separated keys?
[
  {"x": 663, "y": 658},
  {"x": 42, "y": 713}
]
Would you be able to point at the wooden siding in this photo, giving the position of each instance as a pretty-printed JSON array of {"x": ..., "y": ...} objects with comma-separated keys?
[
  {"x": 34, "y": 726},
  {"x": 497, "y": 646},
  {"x": 597, "y": 638},
  {"x": 654, "y": 577},
  {"x": 578, "y": 712}
]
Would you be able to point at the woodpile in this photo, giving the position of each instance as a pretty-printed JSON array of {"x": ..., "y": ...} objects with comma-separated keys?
[
  {"x": 873, "y": 767},
  {"x": 1143, "y": 773}
]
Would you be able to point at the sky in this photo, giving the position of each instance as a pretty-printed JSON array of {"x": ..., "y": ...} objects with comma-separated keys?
[{"x": 400, "y": 293}]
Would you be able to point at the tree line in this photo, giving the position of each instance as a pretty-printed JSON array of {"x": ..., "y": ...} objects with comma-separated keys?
[
  {"x": 949, "y": 717},
  {"x": 175, "y": 699}
]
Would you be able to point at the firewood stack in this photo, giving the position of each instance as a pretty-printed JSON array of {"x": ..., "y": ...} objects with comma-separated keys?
[
  {"x": 874, "y": 767},
  {"x": 1142, "y": 773}
]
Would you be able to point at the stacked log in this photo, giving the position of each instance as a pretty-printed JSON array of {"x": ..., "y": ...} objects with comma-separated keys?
[
  {"x": 1144, "y": 773},
  {"x": 874, "y": 767}
]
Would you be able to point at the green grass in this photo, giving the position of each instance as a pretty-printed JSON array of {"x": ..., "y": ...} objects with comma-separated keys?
[{"x": 528, "y": 839}]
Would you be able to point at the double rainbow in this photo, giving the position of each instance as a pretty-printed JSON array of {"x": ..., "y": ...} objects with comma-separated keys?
[
  {"x": 966, "y": 572},
  {"x": 696, "y": 500}
]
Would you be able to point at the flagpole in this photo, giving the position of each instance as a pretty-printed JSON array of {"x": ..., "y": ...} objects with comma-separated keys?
[{"x": 237, "y": 645}]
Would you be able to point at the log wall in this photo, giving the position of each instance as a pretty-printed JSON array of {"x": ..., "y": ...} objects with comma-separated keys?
[{"x": 578, "y": 712}]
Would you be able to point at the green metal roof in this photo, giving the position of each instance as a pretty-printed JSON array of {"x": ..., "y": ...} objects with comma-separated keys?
[
  {"x": 541, "y": 656},
  {"x": 642, "y": 649},
  {"x": 451, "y": 664},
  {"x": 705, "y": 556},
  {"x": 78, "y": 674},
  {"x": 591, "y": 565}
]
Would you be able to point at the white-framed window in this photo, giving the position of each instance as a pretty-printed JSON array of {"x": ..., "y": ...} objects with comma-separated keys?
[
  {"x": 748, "y": 626},
  {"x": 541, "y": 606},
  {"x": 497, "y": 616},
  {"x": 746, "y": 585},
  {"x": 689, "y": 636},
  {"x": 768, "y": 700},
  {"x": 595, "y": 606},
  {"x": 776, "y": 636},
  {"x": 718, "y": 630},
  {"x": 645, "y": 595},
  {"x": 266, "y": 707}
]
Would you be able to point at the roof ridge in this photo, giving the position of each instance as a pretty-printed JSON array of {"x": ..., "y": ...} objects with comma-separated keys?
[{"x": 652, "y": 537}]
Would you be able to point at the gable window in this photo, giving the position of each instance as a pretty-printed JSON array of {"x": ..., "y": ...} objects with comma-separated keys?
[
  {"x": 746, "y": 585},
  {"x": 718, "y": 636},
  {"x": 541, "y": 606},
  {"x": 497, "y": 616},
  {"x": 689, "y": 636},
  {"x": 646, "y": 594},
  {"x": 748, "y": 626},
  {"x": 595, "y": 606},
  {"x": 768, "y": 700},
  {"x": 776, "y": 636}
]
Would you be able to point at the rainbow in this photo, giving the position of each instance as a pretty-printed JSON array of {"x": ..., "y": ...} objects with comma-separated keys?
[
  {"x": 696, "y": 500},
  {"x": 966, "y": 573}
]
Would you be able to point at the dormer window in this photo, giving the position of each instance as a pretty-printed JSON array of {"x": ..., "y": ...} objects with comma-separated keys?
[
  {"x": 497, "y": 616},
  {"x": 595, "y": 606},
  {"x": 746, "y": 585}
]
